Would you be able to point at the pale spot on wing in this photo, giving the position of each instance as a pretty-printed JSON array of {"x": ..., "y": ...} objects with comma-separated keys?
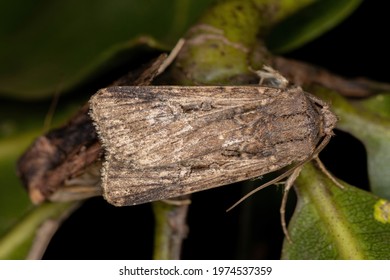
[
  {"x": 185, "y": 129},
  {"x": 233, "y": 141}
]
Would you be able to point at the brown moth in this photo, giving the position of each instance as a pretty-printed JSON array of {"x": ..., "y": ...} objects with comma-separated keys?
[{"x": 167, "y": 141}]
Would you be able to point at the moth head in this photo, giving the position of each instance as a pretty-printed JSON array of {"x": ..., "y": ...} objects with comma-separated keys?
[{"x": 329, "y": 120}]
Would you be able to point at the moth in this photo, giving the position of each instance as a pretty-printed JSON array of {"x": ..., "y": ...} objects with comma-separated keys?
[{"x": 167, "y": 141}]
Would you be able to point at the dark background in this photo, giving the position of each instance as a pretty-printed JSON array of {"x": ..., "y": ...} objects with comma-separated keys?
[{"x": 97, "y": 230}]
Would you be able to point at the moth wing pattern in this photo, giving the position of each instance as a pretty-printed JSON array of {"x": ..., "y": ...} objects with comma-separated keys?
[{"x": 167, "y": 141}]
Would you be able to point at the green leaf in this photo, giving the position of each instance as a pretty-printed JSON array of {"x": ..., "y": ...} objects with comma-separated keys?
[
  {"x": 334, "y": 223},
  {"x": 309, "y": 23},
  {"x": 60, "y": 44},
  {"x": 373, "y": 115}
]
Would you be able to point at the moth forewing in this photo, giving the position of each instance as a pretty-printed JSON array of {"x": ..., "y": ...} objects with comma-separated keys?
[{"x": 167, "y": 141}]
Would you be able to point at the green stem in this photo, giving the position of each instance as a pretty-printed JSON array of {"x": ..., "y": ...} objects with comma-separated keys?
[
  {"x": 219, "y": 48},
  {"x": 170, "y": 229}
]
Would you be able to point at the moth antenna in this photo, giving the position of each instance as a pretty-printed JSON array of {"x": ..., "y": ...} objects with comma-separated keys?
[
  {"x": 320, "y": 147},
  {"x": 273, "y": 181},
  {"x": 52, "y": 108}
]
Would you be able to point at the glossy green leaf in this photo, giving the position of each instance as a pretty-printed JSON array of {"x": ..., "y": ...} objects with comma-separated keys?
[
  {"x": 55, "y": 45},
  {"x": 334, "y": 223},
  {"x": 309, "y": 23}
]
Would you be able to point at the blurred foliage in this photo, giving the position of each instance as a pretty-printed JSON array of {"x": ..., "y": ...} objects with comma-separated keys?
[
  {"x": 309, "y": 23},
  {"x": 51, "y": 44}
]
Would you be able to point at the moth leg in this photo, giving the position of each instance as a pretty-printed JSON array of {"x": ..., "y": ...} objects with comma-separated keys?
[
  {"x": 327, "y": 173},
  {"x": 289, "y": 183}
]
